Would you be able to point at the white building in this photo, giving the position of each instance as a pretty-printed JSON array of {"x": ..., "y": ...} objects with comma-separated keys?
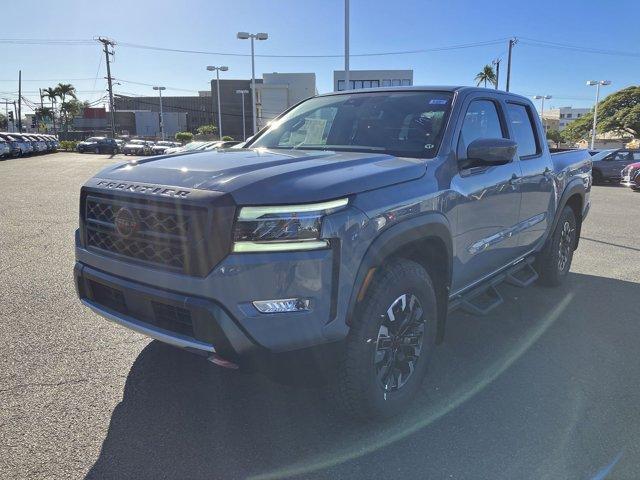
[
  {"x": 279, "y": 91},
  {"x": 372, "y": 79},
  {"x": 563, "y": 116}
]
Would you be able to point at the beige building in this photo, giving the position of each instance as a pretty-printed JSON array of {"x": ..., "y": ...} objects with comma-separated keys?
[{"x": 562, "y": 116}]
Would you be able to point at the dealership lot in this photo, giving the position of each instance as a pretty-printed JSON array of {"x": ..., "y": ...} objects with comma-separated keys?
[{"x": 544, "y": 387}]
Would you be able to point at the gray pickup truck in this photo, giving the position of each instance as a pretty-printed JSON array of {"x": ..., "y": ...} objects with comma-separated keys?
[{"x": 343, "y": 232}]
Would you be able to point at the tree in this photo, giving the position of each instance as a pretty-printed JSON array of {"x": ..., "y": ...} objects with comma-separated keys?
[
  {"x": 184, "y": 137},
  {"x": 555, "y": 136},
  {"x": 3, "y": 122},
  {"x": 207, "y": 129},
  {"x": 487, "y": 74},
  {"x": 618, "y": 113},
  {"x": 52, "y": 94},
  {"x": 227, "y": 138},
  {"x": 72, "y": 109},
  {"x": 64, "y": 90}
]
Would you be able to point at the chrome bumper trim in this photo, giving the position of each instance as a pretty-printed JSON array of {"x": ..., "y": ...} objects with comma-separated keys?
[{"x": 150, "y": 331}]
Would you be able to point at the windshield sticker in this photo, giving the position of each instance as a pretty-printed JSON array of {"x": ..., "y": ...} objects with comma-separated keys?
[{"x": 438, "y": 101}]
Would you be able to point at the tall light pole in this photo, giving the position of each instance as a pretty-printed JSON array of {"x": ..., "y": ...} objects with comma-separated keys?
[
  {"x": 346, "y": 44},
  {"x": 253, "y": 36},
  {"x": 160, "y": 89},
  {"x": 244, "y": 123},
  {"x": 597, "y": 83},
  {"x": 512, "y": 42},
  {"x": 496, "y": 62},
  {"x": 543, "y": 98},
  {"x": 211, "y": 68}
]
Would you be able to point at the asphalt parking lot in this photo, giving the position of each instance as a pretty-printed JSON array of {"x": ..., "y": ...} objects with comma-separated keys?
[{"x": 546, "y": 387}]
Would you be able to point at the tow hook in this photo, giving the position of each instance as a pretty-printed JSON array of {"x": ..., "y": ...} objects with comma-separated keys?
[{"x": 221, "y": 362}]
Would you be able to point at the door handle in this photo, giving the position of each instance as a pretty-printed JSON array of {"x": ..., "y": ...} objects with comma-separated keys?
[{"x": 547, "y": 172}]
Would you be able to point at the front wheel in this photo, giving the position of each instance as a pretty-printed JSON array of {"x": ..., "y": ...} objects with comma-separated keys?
[
  {"x": 554, "y": 261},
  {"x": 388, "y": 347}
]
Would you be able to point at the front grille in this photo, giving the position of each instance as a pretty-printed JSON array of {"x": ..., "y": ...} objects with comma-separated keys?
[
  {"x": 165, "y": 316},
  {"x": 146, "y": 251},
  {"x": 163, "y": 235}
]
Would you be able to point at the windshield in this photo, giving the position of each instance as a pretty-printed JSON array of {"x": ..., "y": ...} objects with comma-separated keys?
[
  {"x": 138, "y": 142},
  {"x": 401, "y": 123}
]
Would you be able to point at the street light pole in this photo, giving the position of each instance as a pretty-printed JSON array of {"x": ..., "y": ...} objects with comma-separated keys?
[
  {"x": 597, "y": 83},
  {"x": 160, "y": 89},
  {"x": 253, "y": 36},
  {"x": 244, "y": 122},
  {"x": 543, "y": 98},
  {"x": 218, "y": 70},
  {"x": 346, "y": 44}
]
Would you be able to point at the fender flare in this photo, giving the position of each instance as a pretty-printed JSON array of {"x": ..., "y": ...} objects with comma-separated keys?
[
  {"x": 432, "y": 225},
  {"x": 574, "y": 186}
]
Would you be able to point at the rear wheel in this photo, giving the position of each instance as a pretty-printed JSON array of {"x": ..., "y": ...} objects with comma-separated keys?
[
  {"x": 598, "y": 179},
  {"x": 389, "y": 344},
  {"x": 554, "y": 262}
]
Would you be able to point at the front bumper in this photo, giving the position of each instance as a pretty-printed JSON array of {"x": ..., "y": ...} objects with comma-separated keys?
[{"x": 219, "y": 306}]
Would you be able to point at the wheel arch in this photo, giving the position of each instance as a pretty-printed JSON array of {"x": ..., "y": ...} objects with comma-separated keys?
[
  {"x": 573, "y": 197},
  {"x": 427, "y": 240}
]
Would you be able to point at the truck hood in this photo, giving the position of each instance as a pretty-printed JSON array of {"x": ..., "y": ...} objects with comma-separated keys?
[{"x": 260, "y": 176}]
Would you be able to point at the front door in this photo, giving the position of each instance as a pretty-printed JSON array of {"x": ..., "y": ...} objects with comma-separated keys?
[{"x": 489, "y": 200}]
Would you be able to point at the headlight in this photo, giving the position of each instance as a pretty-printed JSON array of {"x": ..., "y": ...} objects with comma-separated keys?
[{"x": 282, "y": 228}]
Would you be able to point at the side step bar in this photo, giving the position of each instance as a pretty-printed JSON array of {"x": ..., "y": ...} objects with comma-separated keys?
[{"x": 484, "y": 298}]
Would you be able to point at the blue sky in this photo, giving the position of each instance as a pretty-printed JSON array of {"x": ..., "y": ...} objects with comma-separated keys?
[{"x": 299, "y": 27}]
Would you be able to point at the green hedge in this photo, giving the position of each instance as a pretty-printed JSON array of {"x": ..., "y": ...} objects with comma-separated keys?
[{"x": 68, "y": 145}]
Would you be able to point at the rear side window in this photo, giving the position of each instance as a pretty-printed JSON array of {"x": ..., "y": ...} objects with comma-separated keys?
[
  {"x": 480, "y": 121},
  {"x": 523, "y": 131}
]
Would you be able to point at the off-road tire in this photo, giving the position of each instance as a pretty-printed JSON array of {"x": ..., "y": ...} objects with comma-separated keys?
[
  {"x": 550, "y": 265},
  {"x": 597, "y": 177},
  {"x": 357, "y": 391}
]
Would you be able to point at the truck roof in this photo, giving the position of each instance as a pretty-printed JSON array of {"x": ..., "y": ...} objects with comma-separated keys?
[{"x": 436, "y": 88}]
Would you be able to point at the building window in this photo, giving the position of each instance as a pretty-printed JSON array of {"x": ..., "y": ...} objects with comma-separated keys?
[
  {"x": 562, "y": 115},
  {"x": 569, "y": 115},
  {"x": 386, "y": 83},
  {"x": 406, "y": 82},
  {"x": 340, "y": 85},
  {"x": 579, "y": 115},
  {"x": 396, "y": 82}
]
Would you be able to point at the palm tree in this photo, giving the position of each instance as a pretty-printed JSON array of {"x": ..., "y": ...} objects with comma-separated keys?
[
  {"x": 52, "y": 94},
  {"x": 64, "y": 90},
  {"x": 487, "y": 74}
]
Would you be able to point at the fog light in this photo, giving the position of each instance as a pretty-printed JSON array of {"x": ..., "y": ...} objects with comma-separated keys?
[{"x": 283, "y": 305}]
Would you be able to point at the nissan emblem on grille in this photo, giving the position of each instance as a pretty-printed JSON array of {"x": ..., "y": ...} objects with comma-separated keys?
[{"x": 125, "y": 223}]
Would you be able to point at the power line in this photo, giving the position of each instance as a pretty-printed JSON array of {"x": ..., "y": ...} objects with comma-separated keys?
[
  {"x": 578, "y": 48},
  {"x": 373, "y": 54}
]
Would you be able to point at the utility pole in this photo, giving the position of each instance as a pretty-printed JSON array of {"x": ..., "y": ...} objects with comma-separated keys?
[
  {"x": 512, "y": 42},
  {"x": 109, "y": 43},
  {"x": 19, "y": 101},
  {"x": 15, "y": 116},
  {"x": 41, "y": 107},
  {"x": 346, "y": 44},
  {"x": 496, "y": 62}
]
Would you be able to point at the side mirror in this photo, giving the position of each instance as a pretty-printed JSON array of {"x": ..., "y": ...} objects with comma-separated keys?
[{"x": 491, "y": 151}]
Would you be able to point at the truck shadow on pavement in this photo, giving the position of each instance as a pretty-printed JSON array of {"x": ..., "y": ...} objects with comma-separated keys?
[{"x": 182, "y": 417}]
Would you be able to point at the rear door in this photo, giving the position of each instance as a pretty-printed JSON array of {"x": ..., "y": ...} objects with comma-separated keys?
[
  {"x": 613, "y": 165},
  {"x": 489, "y": 202},
  {"x": 536, "y": 184}
]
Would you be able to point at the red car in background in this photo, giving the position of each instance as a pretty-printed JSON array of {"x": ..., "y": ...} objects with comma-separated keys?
[{"x": 631, "y": 176}]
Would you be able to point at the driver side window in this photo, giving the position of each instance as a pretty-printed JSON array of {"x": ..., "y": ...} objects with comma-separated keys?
[{"x": 480, "y": 121}]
